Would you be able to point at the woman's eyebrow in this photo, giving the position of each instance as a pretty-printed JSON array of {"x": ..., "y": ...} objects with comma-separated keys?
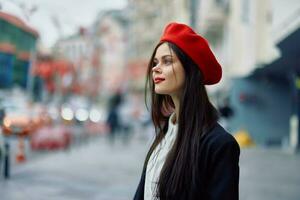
[{"x": 164, "y": 56}]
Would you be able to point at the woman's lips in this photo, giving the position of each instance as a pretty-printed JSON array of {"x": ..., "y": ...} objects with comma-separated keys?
[{"x": 158, "y": 80}]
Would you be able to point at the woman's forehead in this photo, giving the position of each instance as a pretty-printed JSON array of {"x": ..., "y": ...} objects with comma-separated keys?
[{"x": 163, "y": 50}]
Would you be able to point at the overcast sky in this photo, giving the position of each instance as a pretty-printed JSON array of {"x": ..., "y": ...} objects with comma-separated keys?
[{"x": 70, "y": 14}]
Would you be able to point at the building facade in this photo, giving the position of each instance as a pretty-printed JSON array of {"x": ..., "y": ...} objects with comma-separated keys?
[
  {"x": 77, "y": 49},
  {"x": 110, "y": 50},
  {"x": 17, "y": 46},
  {"x": 147, "y": 20},
  {"x": 247, "y": 37}
]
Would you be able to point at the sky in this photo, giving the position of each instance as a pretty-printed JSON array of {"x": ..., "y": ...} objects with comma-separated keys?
[{"x": 70, "y": 15}]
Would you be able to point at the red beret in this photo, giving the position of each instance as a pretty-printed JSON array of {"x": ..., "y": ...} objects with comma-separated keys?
[{"x": 197, "y": 48}]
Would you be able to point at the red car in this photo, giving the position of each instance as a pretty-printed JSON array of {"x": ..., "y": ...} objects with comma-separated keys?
[{"x": 51, "y": 138}]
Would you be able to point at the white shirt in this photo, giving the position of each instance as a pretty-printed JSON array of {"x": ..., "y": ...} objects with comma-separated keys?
[{"x": 157, "y": 160}]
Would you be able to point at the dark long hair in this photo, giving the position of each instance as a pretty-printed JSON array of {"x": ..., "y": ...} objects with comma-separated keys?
[{"x": 196, "y": 117}]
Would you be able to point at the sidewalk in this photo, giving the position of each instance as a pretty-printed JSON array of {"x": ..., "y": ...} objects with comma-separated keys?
[
  {"x": 93, "y": 171},
  {"x": 98, "y": 171},
  {"x": 269, "y": 174}
]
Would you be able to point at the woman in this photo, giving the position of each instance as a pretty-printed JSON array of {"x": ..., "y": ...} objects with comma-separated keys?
[{"x": 192, "y": 156}]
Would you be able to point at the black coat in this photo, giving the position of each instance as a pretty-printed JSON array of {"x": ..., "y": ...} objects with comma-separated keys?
[{"x": 218, "y": 168}]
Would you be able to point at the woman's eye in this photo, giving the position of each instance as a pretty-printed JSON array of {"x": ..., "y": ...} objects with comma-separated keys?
[
  {"x": 168, "y": 62},
  {"x": 154, "y": 64}
]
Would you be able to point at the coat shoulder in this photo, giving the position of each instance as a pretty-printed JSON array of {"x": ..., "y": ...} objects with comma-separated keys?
[{"x": 218, "y": 137}]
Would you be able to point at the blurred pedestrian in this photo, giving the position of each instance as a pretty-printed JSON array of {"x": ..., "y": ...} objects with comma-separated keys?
[
  {"x": 192, "y": 156},
  {"x": 226, "y": 112},
  {"x": 113, "y": 119}
]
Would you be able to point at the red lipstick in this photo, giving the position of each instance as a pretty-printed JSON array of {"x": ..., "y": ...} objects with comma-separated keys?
[{"x": 158, "y": 80}]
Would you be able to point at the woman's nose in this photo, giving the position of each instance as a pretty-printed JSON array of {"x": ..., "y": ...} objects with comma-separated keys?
[{"x": 156, "y": 69}]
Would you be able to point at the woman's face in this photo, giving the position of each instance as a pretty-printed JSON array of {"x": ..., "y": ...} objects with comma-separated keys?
[{"x": 168, "y": 73}]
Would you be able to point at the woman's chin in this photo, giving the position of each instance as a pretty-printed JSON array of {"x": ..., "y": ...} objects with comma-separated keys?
[{"x": 161, "y": 91}]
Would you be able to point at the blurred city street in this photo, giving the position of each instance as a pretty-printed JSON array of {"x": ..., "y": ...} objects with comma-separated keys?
[
  {"x": 269, "y": 174},
  {"x": 99, "y": 170},
  {"x": 95, "y": 170},
  {"x": 73, "y": 119}
]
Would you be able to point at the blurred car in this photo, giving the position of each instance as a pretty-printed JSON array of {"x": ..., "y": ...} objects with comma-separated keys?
[
  {"x": 15, "y": 123},
  {"x": 96, "y": 128},
  {"x": 51, "y": 138},
  {"x": 23, "y": 120}
]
